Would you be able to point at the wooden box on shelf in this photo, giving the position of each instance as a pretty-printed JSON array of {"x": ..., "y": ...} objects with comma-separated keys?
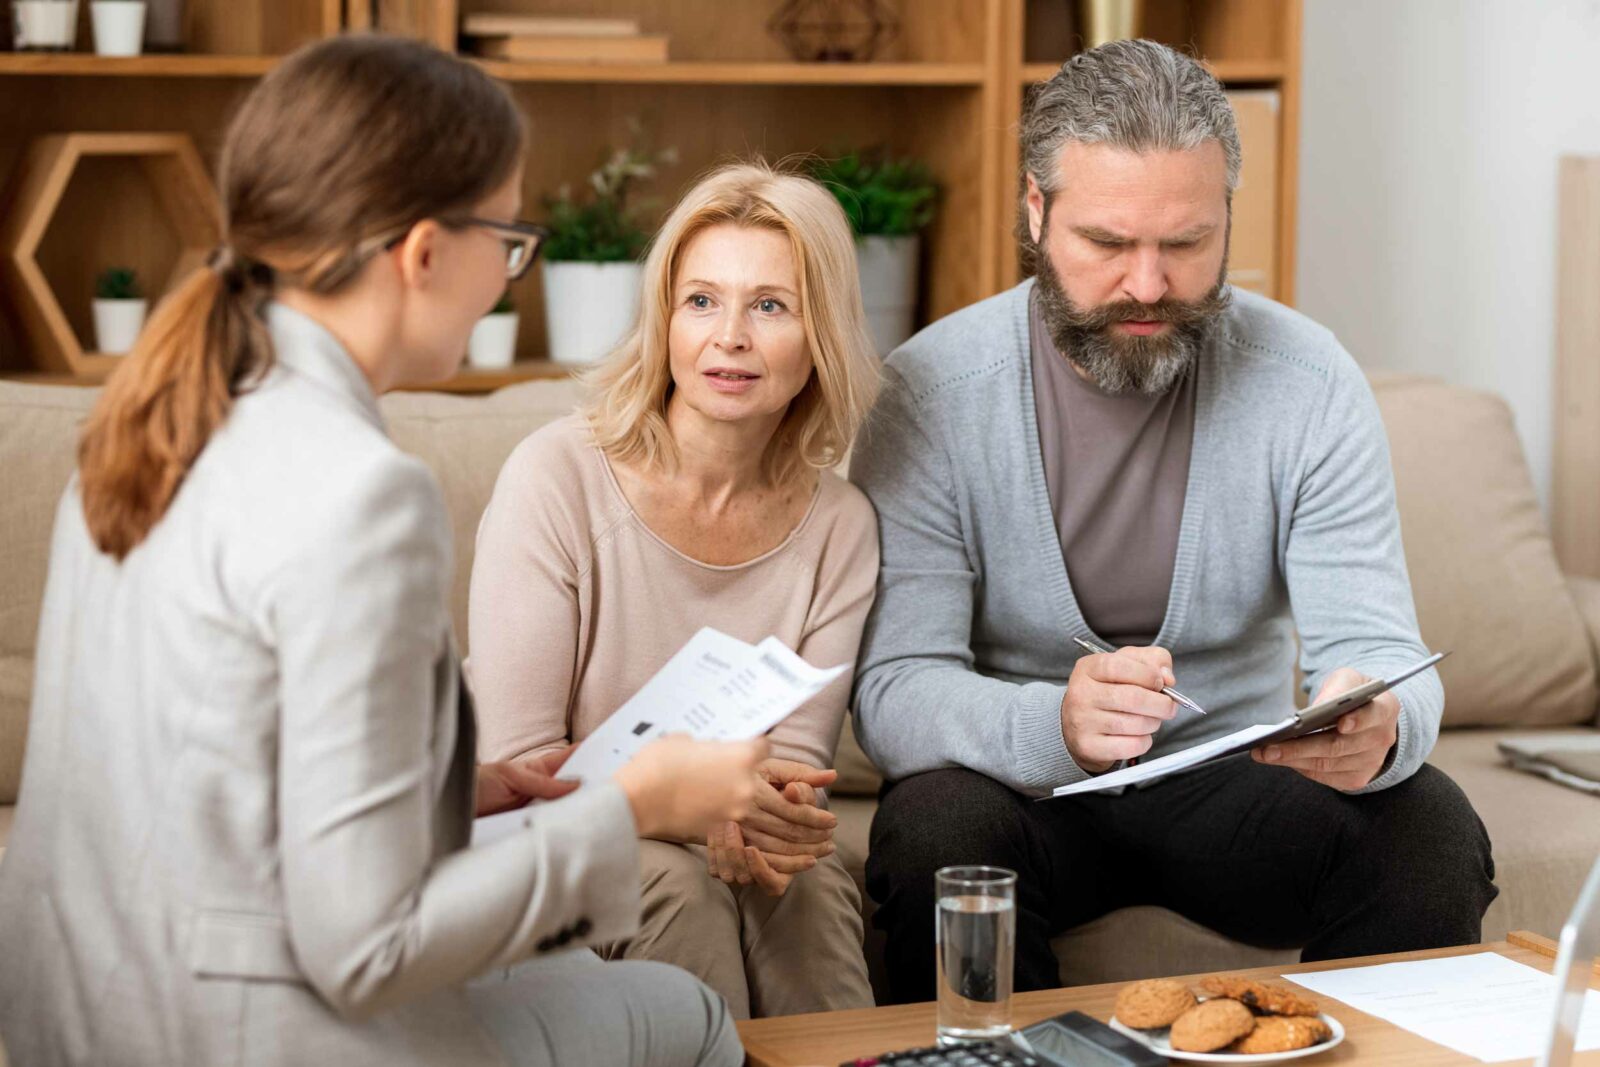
[{"x": 176, "y": 189}]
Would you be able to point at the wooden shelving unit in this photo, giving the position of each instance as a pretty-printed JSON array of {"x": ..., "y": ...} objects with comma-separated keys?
[{"x": 948, "y": 88}]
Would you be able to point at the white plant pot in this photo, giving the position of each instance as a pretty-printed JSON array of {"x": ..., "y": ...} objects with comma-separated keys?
[
  {"x": 589, "y": 307},
  {"x": 118, "y": 27},
  {"x": 493, "y": 344},
  {"x": 44, "y": 25},
  {"x": 888, "y": 267},
  {"x": 117, "y": 324}
]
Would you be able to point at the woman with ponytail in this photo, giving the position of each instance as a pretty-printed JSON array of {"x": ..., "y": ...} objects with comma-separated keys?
[{"x": 249, "y": 784}]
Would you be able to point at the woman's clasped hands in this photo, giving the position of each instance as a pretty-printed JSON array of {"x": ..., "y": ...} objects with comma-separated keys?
[{"x": 784, "y": 835}]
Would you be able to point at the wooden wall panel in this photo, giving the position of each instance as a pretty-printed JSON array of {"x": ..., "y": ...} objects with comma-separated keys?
[
  {"x": 1253, "y": 250},
  {"x": 257, "y": 27},
  {"x": 1575, "y": 489}
]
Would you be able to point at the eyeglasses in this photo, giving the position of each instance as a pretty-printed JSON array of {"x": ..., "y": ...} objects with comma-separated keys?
[{"x": 522, "y": 240}]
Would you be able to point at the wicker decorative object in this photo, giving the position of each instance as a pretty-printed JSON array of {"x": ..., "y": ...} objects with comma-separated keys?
[{"x": 834, "y": 30}]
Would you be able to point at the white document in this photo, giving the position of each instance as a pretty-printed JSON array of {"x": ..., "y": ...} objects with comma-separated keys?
[
  {"x": 1174, "y": 761},
  {"x": 1482, "y": 1005},
  {"x": 1319, "y": 716},
  {"x": 716, "y": 688}
]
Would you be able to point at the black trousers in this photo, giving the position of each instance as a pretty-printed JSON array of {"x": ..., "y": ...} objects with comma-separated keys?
[{"x": 1258, "y": 853}]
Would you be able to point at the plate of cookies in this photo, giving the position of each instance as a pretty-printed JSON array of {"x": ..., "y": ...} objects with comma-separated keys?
[{"x": 1229, "y": 1020}]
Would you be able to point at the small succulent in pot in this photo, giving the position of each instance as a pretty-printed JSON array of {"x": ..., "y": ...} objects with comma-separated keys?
[
  {"x": 119, "y": 310},
  {"x": 117, "y": 283}
]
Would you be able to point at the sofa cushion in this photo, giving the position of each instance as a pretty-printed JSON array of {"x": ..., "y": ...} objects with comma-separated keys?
[
  {"x": 1586, "y": 594},
  {"x": 1483, "y": 570},
  {"x": 1545, "y": 836},
  {"x": 38, "y": 450},
  {"x": 465, "y": 440},
  {"x": 857, "y": 776}
]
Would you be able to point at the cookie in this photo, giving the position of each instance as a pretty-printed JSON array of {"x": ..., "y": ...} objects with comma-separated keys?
[
  {"x": 1211, "y": 1025},
  {"x": 1153, "y": 1004},
  {"x": 1283, "y": 1033},
  {"x": 1264, "y": 998}
]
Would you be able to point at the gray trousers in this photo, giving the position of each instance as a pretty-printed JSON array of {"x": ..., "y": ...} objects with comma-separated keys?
[{"x": 574, "y": 1008}]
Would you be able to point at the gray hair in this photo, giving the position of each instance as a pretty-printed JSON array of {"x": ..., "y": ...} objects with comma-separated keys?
[{"x": 1138, "y": 95}]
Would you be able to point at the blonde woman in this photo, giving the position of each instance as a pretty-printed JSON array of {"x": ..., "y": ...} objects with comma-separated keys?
[{"x": 696, "y": 491}]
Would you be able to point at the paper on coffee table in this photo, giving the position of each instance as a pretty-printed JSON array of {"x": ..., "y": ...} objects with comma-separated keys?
[{"x": 1481, "y": 1004}]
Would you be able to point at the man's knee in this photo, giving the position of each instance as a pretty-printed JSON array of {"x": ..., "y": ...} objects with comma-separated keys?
[
  {"x": 934, "y": 820},
  {"x": 1430, "y": 836}
]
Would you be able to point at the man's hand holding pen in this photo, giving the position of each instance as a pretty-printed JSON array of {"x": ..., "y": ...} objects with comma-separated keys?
[{"x": 1114, "y": 705}]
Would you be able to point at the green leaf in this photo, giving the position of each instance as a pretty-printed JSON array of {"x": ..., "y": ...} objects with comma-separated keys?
[
  {"x": 602, "y": 226},
  {"x": 117, "y": 283},
  {"x": 880, "y": 195}
]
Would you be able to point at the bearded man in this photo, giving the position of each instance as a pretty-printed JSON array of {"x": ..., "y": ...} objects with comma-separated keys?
[{"x": 1125, "y": 449}]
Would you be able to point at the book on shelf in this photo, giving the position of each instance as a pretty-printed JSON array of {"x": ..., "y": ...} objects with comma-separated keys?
[
  {"x": 636, "y": 49},
  {"x": 485, "y": 24}
]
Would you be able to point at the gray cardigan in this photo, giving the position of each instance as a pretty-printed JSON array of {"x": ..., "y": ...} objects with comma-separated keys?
[{"x": 1289, "y": 523}]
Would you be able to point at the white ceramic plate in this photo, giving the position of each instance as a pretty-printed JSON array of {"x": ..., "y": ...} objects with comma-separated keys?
[{"x": 1157, "y": 1041}]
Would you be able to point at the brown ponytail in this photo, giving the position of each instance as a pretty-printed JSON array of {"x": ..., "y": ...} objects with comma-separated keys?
[{"x": 347, "y": 140}]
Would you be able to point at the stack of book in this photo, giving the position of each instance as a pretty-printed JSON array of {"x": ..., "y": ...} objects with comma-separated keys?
[{"x": 541, "y": 38}]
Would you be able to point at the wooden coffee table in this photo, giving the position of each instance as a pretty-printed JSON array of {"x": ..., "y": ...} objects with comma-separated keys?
[{"x": 830, "y": 1038}]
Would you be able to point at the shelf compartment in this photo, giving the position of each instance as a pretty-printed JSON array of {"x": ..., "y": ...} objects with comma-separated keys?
[{"x": 77, "y": 192}]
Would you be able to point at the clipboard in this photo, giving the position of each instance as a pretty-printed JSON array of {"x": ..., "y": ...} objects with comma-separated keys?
[
  {"x": 1314, "y": 719},
  {"x": 1323, "y": 716}
]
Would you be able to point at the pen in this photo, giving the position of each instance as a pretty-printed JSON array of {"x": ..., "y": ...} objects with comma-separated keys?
[{"x": 1090, "y": 646}]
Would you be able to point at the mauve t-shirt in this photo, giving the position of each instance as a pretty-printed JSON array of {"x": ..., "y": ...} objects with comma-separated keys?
[{"x": 1117, "y": 468}]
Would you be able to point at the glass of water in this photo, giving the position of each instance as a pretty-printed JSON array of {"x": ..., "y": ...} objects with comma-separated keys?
[{"x": 976, "y": 937}]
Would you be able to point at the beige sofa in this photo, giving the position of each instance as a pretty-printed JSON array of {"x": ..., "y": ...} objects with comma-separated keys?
[{"x": 1486, "y": 582}]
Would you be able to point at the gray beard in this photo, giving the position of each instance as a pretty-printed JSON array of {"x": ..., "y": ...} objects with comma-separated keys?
[{"x": 1119, "y": 363}]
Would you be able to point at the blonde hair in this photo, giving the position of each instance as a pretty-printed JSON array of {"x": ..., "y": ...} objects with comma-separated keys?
[{"x": 633, "y": 385}]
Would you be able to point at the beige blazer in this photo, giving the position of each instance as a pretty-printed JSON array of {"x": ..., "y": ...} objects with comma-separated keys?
[{"x": 248, "y": 786}]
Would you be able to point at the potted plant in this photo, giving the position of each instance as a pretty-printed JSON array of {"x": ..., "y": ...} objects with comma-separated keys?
[
  {"x": 591, "y": 259},
  {"x": 119, "y": 310},
  {"x": 118, "y": 27},
  {"x": 493, "y": 344},
  {"x": 888, "y": 202}
]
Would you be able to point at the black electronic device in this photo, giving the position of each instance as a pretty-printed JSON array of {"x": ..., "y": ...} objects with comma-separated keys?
[{"x": 1070, "y": 1040}]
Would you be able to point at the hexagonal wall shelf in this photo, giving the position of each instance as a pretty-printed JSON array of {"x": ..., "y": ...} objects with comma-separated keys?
[{"x": 41, "y": 239}]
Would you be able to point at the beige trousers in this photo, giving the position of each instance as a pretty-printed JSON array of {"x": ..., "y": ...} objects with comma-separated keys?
[{"x": 766, "y": 955}]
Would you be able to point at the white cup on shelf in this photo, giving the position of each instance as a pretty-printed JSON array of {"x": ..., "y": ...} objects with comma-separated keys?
[
  {"x": 493, "y": 343},
  {"x": 44, "y": 25},
  {"x": 117, "y": 324},
  {"x": 118, "y": 27}
]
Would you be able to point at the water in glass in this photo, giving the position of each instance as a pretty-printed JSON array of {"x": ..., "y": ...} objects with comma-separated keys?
[{"x": 977, "y": 938}]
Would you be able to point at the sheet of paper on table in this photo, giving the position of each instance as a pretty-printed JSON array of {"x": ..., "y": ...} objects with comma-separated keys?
[
  {"x": 716, "y": 688},
  {"x": 1482, "y": 1004}
]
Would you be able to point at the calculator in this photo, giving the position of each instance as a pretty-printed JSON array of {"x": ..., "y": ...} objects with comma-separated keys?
[{"x": 1070, "y": 1040}]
